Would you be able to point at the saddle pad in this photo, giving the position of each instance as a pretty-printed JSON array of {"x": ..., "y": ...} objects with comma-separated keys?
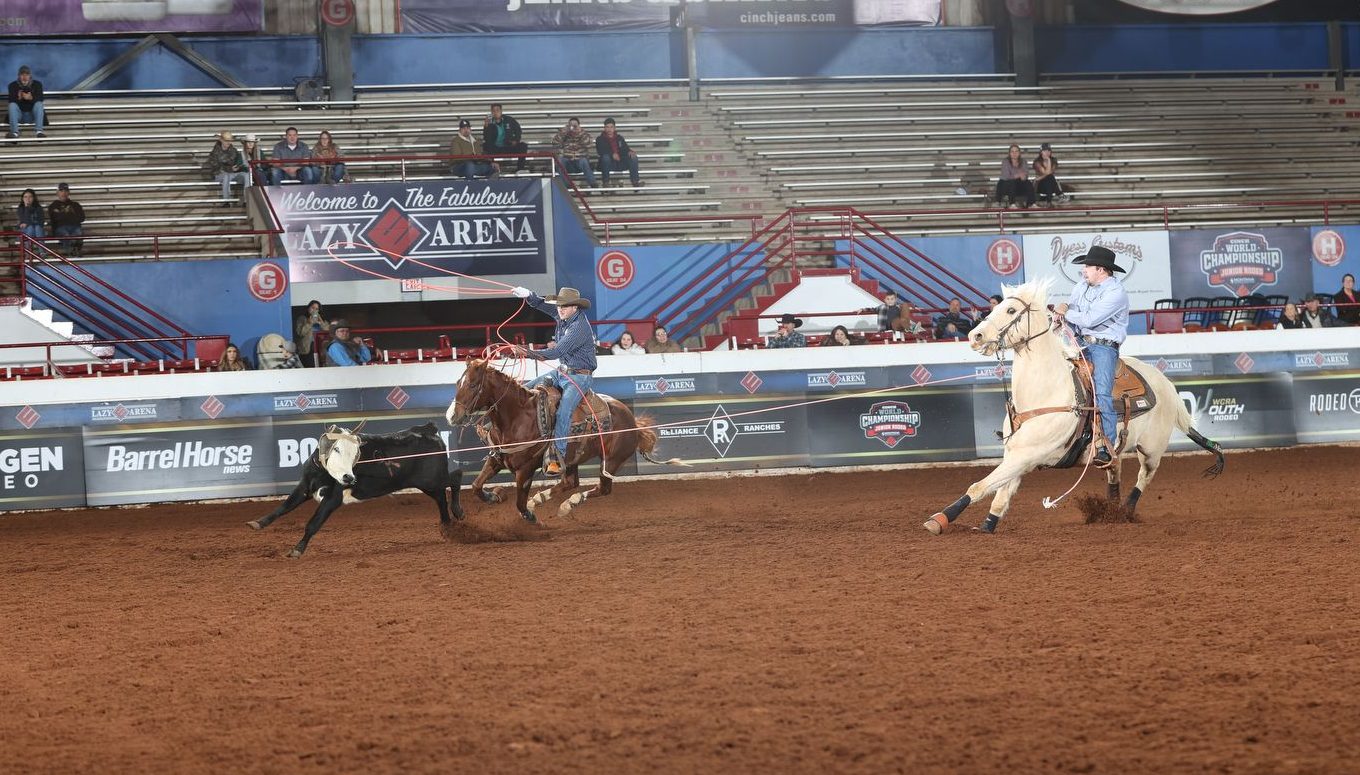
[
  {"x": 592, "y": 414},
  {"x": 1128, "y": 384}
]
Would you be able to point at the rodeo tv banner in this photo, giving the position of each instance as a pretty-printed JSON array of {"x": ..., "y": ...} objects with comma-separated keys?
[
  {"x": 41, "y": 469},
  {"x": 395, "y": 230}
]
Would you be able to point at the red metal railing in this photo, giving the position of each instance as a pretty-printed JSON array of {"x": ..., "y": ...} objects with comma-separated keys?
[
  {"x": 488, "y": 330},
  {"x": 51, "y": 369}
]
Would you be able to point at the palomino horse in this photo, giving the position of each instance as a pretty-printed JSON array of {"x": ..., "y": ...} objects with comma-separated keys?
[
  {"x": 1049, "y": 412},
  {"x": 511, "y": 425}
]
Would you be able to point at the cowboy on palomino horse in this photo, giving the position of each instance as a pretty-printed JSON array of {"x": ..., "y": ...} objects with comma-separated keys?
[
  {"x": 574, "y": 349},
  {"x": 1098, "y": 311}
]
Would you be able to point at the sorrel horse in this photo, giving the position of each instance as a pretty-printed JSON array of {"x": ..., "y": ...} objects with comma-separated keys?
[
  {"x": 510, "y": 423},
  {"x": 1050, "y": 412}
]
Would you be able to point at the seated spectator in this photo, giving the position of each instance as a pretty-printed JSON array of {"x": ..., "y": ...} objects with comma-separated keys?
[
  {"x": 661, "y": 342},
  {"x": 231, "y": 359},
  {"x": 1045, "y": 176},
  {"x": 1314, "y": 315},
  {"x": 32, "y": 217},
  {"x": 994, "y": 301},
  {"x": 953, "y": 324},
  {"x": 839, "y": 337},
  {"x": 501, "y": 135},
  {"x": 305, "y": 329},
  {"x": 1346, "y": 300},
  {"x": 346, "y": 350},
  {"x": 250, "y": 151},
  {"x": 66, "y": 215},
  {"x": 627, "y": 345},
  {"x": 1014, "y": 183},
  {"x": 291, "y": 148},
  {"x": 1290, "y": 317},
  {"x": 226, "y": 164},
  {"x": 464, "y": 144},
  {"x": 26, "y": 104},
  {"x": 888, "y": 311},
  {"x": 290, "y": 358},
  {"x": 572, "y": 144},
  {"x": 325, "y": 149},
  {"x": 615, "y": 154},
  {"x": 906, "y": 321},
  {"x": 786, "y": 336}
]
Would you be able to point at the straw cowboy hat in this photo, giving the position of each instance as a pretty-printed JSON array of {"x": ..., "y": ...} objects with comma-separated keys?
[
  {"x": 568, "y": 297},
  {"x": 225, "y": 136},
  {"x": 789, "y": 318},
  {"x": 1101, "y": 257}
]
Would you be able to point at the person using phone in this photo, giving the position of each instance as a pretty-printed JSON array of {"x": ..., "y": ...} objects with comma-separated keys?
[{"x": 26, "y": 103}]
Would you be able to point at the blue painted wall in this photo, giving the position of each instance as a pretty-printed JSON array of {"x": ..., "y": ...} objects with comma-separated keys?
[
  {"x": 819, "y": 53},
  {"x": 1191, "y": 47},
  {"x": 573, "y": 246},
  {"x": 661, "y": 271}
]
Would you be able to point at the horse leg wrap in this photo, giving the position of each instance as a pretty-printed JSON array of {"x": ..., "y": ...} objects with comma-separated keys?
[
  {"x": 1132, "y": 502},
  {"x": 956, "y": 508},
  {"x": 937, "y": 523},
  {"x": 540, "y": 497},
  {"x": 1112, "y": 491},
  {"x": 571, "y": 503},
  {"x": 989, "y": 524}
]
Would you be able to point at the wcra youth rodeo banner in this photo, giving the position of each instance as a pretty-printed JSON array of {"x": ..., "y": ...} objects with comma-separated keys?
[{"x": 382, "y": 230}]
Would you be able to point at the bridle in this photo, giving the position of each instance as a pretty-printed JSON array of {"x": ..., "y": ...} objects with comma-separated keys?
[
  {"x": 1000, "y": 341},
  {"x": 476, "y": 414}
]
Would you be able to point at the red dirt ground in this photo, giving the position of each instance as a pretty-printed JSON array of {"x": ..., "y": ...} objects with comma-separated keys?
[{"x": 780, "y": 624}]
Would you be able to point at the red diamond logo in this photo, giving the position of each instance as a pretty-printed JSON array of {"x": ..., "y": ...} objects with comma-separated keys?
[
  {"x": 120, "y": 411},
  {"x": 662, "y": 385},
  {"x": 999, "y": 371},
  {"x": 398, "y": 397},
  {"x": 212, "y": 407},
  {"x": 1244, "y": 363},
  {"x": 833, "y": 379},
  {"x": 302, "y": 402},
  {"x": 1317, "y": 359},
  {"x": 1162, "y": 364},
  {"x": 28, "y": 417},
  {"x": 394, "y": 233},
  {"x": 921, "y": 375},
  {"x": 752, "y": 382}
]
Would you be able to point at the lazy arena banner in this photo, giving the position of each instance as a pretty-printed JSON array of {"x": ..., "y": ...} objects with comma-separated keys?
[{"x": 381, "y": 230}]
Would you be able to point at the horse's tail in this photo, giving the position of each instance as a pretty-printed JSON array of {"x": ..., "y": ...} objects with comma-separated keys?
[
  {"x": 647, "y": 436},
  {"x": 1187, "y": 425}
]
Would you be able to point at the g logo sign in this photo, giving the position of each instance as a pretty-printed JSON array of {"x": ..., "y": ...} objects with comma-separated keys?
[
  {"x": 615, "y": 270},
  {"x": 267, "y": 281}
]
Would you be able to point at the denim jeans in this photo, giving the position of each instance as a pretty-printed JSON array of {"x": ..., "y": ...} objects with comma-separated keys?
[
  {"x": 608, "y": 165},
  {"x": 467, "y": 170},
  {"x": 331, "y": 173},
  {"x": 581, "y": 165},
  {"x": 16, "y": 116},
  {"x": 34, "y": 230},
  {"x": 68, "y": 231},
  {"x": 1104, "y": 361},
  {"x": 573, "y": 387},
  {"x": 227, "y": 178},
  {"x": 305, "y": 175}
]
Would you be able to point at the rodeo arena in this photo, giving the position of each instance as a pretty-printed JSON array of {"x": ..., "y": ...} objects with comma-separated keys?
[{"x": 696, "y": 386}]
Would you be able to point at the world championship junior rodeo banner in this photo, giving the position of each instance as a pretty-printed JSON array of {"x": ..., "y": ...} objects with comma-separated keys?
[{"x": 392, "y": 230}]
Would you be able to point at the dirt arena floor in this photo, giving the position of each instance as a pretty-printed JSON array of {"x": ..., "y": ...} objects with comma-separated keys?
[{"x": 801, "y": 623}]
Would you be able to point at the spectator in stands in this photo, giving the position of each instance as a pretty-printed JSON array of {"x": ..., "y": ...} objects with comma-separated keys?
[
  {"x": 615, "y": 154},
  {"x": 1290, "y": 317},
  {"x": 333, "y": 172},
  {"x": 250, "y": 151},
  {"x": 906, "y": 321},
  {"x": 572, "y": 144},
  {"x": 32, "y": 218},
  {"x": 464, "y": 144},
  {"x": 887, "y": 312},
  {"x": 290, "y": 358},
  {"x": 1046, "y": 177},
  {"x": 226, "y": 164},
  {"x": 501, "y": 134},
  {"x": 66, "y": 215},
  {"x": 305, "y": 329},
  {"x": 1347, "y": 302},
  {"x": 291, "y": 148},
  {"x": 1315, "y": 315},
  {"x": 994, "y": 301},
  {"x": 1014, "y": 183},
  {"x": 953, "y": 324},
  {"x": 26, "y": 103},
  {"x": 660, "y": 342},
  {"x": 347, "y": 350},
  {"x": 786, "y": 336},
  {"x": 839, "y": 337},
  {"x": 231, "y": 359},
  {"x": 627, "y": 345}
]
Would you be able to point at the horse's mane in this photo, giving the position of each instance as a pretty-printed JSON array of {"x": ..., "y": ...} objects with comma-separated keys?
[
  {"x": 1035, "y": 293},
  {"x": 499, "y": 379}
]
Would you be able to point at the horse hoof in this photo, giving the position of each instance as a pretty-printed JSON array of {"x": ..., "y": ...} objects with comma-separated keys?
[
  {"x": 489, "y": 496},
  {"x": 295, "y": 554},
  {"x": 935, "y": 525},
  {"x": 254, "y": 524},
  {"x": 530, "y": 518}
]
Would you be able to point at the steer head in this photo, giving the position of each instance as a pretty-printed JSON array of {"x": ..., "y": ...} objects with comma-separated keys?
[{"x": 338, "y": 451}]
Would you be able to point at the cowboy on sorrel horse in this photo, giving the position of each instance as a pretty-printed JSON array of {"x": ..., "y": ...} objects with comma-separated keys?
[{"x": 513, "y": 420}]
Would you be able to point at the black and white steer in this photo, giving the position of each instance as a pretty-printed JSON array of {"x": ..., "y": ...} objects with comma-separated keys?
[{"x": 343, "y": 466}]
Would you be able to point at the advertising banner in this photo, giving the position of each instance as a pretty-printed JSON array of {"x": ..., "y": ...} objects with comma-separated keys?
[
  {"x": 296, "y": 439},
  {"x": 81, "y": 17},
  {"x": 1256, "y": 411},
  {"x": 145, "y": 464},
  {"x": 363, "y": 231},
  {"x": 1336, "y": 253},
  {"x": 1327, "y": 407},
  {"x": 909, "y": 426},
  {"x": 1143, "y": 255},
  {"x": 41, "y": 469},
  {"x": 1212, "y": 262},
  {"x": 721, "y": 434}
]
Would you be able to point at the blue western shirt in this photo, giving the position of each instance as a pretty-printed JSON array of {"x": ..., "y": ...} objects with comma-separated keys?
[
  {"x": 575, "y": 342},
  {"x": 1101, "y": 310}
]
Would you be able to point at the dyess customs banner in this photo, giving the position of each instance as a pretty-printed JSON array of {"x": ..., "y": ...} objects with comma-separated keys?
[
  {"x": 41, "y": 469},
  {"x": 898, "y": 427},
  {"x": 145, "y": 463},
  {"x": 366, "y": 231},
  {"x": 718, "y": 436},
  {"x": 1143, "y": 255}
]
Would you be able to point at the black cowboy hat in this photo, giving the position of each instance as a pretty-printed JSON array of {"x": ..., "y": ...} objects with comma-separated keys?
[
  {"x": 568, "y": 297},
  {"x": 788, "y": 318},
  {"x": 1101, "y": 257}
]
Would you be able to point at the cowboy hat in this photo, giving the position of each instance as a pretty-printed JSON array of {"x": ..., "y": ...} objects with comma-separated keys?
[
  {"x": 340, "y": 323},
  {"x": 224, "y": 136},
  {"x": 1101, "y": 257},
  {"x": 788, "y": 318},
  {"x": 568, "y": 297}
]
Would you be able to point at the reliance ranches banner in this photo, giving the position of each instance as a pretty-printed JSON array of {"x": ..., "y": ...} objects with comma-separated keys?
[
  {"x": 41, "y": 469},
  {"x": 389, "y": 230}
]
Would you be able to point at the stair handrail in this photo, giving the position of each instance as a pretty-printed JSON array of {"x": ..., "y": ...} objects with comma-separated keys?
[{"x": 863, "y": 217}]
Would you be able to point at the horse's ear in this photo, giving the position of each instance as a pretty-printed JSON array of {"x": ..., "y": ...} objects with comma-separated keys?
[{"x": 330, "y": 428}]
